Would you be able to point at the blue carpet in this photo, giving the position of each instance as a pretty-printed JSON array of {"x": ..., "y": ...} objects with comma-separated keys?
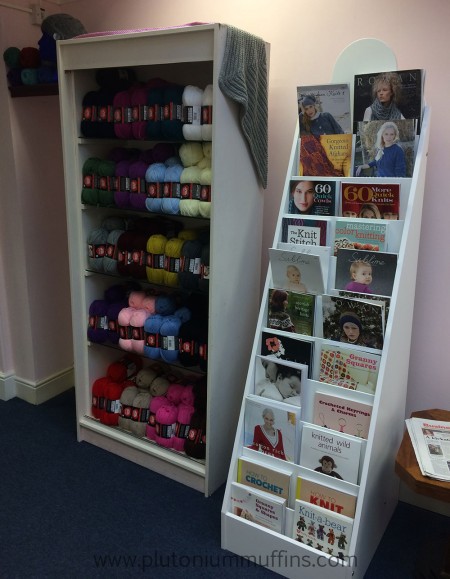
[{"x": 71, "y": 510}]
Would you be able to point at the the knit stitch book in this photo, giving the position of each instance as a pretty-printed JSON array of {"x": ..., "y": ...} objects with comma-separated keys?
[
  {"x": 330, "y": 453},
  {"x": 370, "y": 200},
  {"x": 258, "y": 507},
  {"x": 304, "y": 231},
  {"x": 271, "y": 428},
  {"x": 290, "y": 311},
  {"x": 328, "y": 532},
  {"x": 350, "y": 367},
  {"x": 263, "y": 477},
  {"x": 279, "y": 380}
]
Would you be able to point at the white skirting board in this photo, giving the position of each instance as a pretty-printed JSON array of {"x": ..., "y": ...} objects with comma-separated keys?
[{"x": 35, "y": 392}]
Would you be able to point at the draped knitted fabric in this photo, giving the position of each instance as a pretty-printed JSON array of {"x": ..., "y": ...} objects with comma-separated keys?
[
  {"x": 243, "y": 78},
  {"x": 384, "y": 113}
]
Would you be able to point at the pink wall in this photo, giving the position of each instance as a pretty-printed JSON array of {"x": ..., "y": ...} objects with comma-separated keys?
[{"x": 305, "y": 41}]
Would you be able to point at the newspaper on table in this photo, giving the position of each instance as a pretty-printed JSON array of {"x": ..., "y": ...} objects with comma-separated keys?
[{"x": 431, "y": 443}]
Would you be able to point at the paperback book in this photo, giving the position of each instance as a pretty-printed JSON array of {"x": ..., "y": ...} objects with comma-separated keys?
[
  {"x": 349, "y": 367},
  {"x": 258, "y": 507},
  {"x": 385, "y": 149},
  {"x": 360, "y": 234},
  {"x": 313, "y": 197},
  {"x": 299, "y": 231},
  {"x": 271, "y": 428},
  {"x": 279, "y": 346},
  {"x": 263, "y": 478},
  {"x": 324, "y": 109},
  {"x": 296, "y": 272},
  {"x": 326, "y": 155},
  {"x": 388, "y": 95},
  {"x": 279, "y": 380},
  {"x": 324, "y": 496},
  {"x": 371, "y": 200},
  {"x": 368, "y": 272},
  {"x": 353, "y": 321},
  {"x": 330, "y": 453},
  {"x": 342, "y": 414},
  {"x": 322, "y": 530},
  {"x": 385, "y": 301},
  {"x": 289, "y": 311}
]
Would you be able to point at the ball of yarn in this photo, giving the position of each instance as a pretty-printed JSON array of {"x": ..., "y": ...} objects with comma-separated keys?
[
  {"x": 190, "y": 153},
  {"x": 190, "y": 269},
  {"x": 165, "y": 422},
  {"x": 207, "y": 113},
  {"x": 29, "y": 57},
  {"x": 122, "y": 115},
  {"x": 106, "y": 171},
  {"x": 140, "y": 414},
  {"x": 163, "y": 151},
  {"x": 172, "y": 261},
  {"x": 11, "y": 57},
  {"x": 89, "y": 192},
  {"x": 155, "y": 258},
  {"x": 113, "y": 392},
  {"x": 122, "y": 184},
  {"x": 192, "y": 113},
  {"x": 98, "y": 322},
  {"x": 127, "y": 397},
  {"x": 154, "y": 99},
  {"x": 115, "y": 78},
  {"x": 138, "y": 187},
  {"x": 97, "y": 247},
  {"x": 98, "y": 397},
  {"x": 172, "y": 118},
  {"x": 154, "y": 178},
  {"x": 152, "y": 327},
  {"x": 169, "y": 338},
  {"x": 155, "y": 403},
  {"x": 29, "y": 76},
  {"x": 182, "y": 427}
]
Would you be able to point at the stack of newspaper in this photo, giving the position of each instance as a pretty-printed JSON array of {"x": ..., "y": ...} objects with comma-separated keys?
[{"x": 431, "y": 443}]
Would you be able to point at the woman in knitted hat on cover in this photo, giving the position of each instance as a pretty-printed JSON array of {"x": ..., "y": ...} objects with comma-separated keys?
[
  {"x": 315, "y": 122},
  {"x": 351, "y": 329}
]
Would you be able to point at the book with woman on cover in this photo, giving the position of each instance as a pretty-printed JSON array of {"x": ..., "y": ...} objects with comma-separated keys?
[
  {"x": 289, "y": 311},
  {"x": 353, "y": 321},
  {"x": 330, "y": 453},
  {"x": 384, "y": 149},
  {"x": 388, "y": 95},
  {"x": 325, "y": 130},
  {"x": 279, "y": 380},
  {"x": 367, "y": 272},
  {"x": 370, "y": 200},
  {"x": 271, "y": 428},
  {"x": 321, "y": 529},
  {"x": 349, "y": 366},
  {"x": 312, "y": 197}
]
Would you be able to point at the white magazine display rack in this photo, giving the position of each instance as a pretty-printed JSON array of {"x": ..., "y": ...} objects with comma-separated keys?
[{"x": 377, "y": 492}]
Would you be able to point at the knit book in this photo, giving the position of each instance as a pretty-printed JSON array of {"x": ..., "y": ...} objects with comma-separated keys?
[
  {"x": 281, "y": 346},
  {"x": 312, "y": 197},
  {"x": 370, "y": 200},
  {"x": 338, "y": 500},
  {"x": 297, "y": 272},
  {"x": 261, "y": 508},
  {"x": 291, "y": 312}
]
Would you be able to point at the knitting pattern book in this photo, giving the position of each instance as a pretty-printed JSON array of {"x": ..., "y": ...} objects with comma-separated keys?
[
  {"x": 324, "y": 109},
  {"x": 342, "y": 414},
  {"x": 297, "y": 272},
  {"x": 264, "y": 478},
  {"x": 349, "y": 367},
  {"x": 304, "y": 231},
  {"x": 326, "y": 497},
  {"x": 330, "y": 453},
  {"x": 291, "y": 312},
  {"x": 359, "y": 234},
  {"x": 258, "y": 507},
  {"x": 407, "y": 86},
  {"x": 271, "y": 428},
  {"x": 370, "y": 200},
  {"x": 279, "y": 380},
  {"x": 320, "y": 529},
  {"x": 353, "y": 321},
  {"x": 368, "y": 272},
  {"x": 312, "y": 197},
  {"x": 283, "y": 347}
]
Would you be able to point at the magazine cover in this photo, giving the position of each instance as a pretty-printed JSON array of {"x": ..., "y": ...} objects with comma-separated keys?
[
  {"x": 258, "y": 507},
  {"x": 388, "y": 95},
  {"x": 270, "y": 427},
  {"x": 384, "y": 149},
  {"x": 330, "y": 453},
  {"x": 322, "y": 530},
  {"x": 358, "y": 234},
  {"x": 296, "y": 272},
  {"x": 279, "y": 380},
  {"x": 282, "y": 347},
  {"x": 319, "y": 495},
  {"x": 312, "y": 197},
  {"x": 368, "y": 272},
  {"x": 353, "y": 321},
  {"x": 370, "y": 201},
  {"x": 303, "y": 231},
  {"x": 324, "y": 109},
  {"x": 291, "y": 312},
  {"x": 349, "y": 367},
  {"x": 385, "y": 301},
  {"x": 264, "y": 478},
  {"x": 342, "y": 414}
]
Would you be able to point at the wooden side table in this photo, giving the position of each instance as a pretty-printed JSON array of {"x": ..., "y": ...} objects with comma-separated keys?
[{"x": 407, "y": 468}]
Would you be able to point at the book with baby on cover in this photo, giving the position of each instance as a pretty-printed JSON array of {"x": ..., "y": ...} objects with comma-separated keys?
[
  {"x": 296, "y": 272},
  {"x": 279, "y": 380}
]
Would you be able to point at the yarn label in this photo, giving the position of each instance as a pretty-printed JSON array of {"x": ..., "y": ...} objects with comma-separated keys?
[
  {"x": 137, "y": 185},
  {"x": 89, "y": 113},
  {"x": 172, "y": 264},
  {"x": 182, "y": 430},
  {"x": 124, "y": 332},
  {"x": 123, "y": 184},
  {"x": 89, "y": 182},
  {"x": 191, "y": 265},
  {"x": 165, "y": 430},
  {"x": 196, "y": 435},
  {"x": 111, "y": 251},
  {"x": 151, "y": 419},
  {"x": 169, "y": 343},
  {"x": 155, "y": 190},
  {"x": 155, "y": 260},
  {"x": 191, "y": 191},
  {"x": 96, "y": 251},
  {"x": 188, "y": 347},
  {"x": 153, "y": 112},
  {"x": 105, "y": 114},
  {"x": 205, "y": 271},
  {"x": 138, "y": 257},
  {"x": 125, "y": 257},
  {"x": 205, "y": 193},
  {"x": 125, "y": 411},
  {"x": 207, "y": 115},
  {"x": 137, "y": 333},
  {"x": 113, "y": 406},
  {"x": 140, "y": 414},
  {"x": 172, "y": 112},
  {"x": 151, "y": 340},
  {"x": 172, "y": 190},
  {"x": 203, "y": 351},
  {"x": 192, "y": 114}
]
